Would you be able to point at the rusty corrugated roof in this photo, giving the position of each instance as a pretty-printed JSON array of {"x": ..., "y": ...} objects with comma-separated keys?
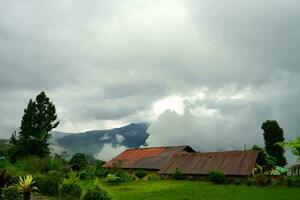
[
  {"x": 147, "y": 158},
  {"x": 238, "y": 163}
]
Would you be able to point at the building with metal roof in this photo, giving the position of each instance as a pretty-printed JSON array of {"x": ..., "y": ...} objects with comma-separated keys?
[
  {"x": 152, "y": 158},
  {"x": 231, "y": 163},
  {"x": 165, "y": 160}
]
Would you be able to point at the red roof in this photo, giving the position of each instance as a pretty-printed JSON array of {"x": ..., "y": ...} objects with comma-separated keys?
[
  {"x": 236, "y": 163},
  {"x": 147, "y": 158}
]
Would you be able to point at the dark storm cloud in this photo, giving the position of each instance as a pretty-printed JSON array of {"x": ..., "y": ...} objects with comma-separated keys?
[{"x": 105, "y": 62}]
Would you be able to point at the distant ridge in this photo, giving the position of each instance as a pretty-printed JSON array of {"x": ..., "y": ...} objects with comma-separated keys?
[{"x": 91, "y": 142}]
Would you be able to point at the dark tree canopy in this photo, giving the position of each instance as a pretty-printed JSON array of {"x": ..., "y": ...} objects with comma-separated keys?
[
  {"x": 263, "y": 159},
  {"x": 273, "y": 134},
  {"x": 38, "y": 120}
]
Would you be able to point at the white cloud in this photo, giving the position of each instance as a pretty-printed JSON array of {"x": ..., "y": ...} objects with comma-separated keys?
[{"x": 108, "y": 152}]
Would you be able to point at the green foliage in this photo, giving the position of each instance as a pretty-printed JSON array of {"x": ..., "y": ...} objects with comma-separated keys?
[
  {"x": 82, "y": 175},
  {"x": 102, "y": 172},
  {"x": 293, "y": 181},
  {"x": 273, "y": 134},
  {"x": 70, "y": 190},
  {"x": 140, "y": 173},
  {"x": 49, "y": 184},
  {"x": 177, "y": 174},
  {"x": 90, "y": 171},
  {"x": 34, "y": 165},
  {"x": 11, "y": 193},
  {"x": 237, "y": 181},
  {"x": 263, "y": 159},
  {"x": 96, "y": 193},
  {"x": 112, "y": 179},
  {"x": 217, "y": 177},
  {"x": 38, "y": 120},
  {"x": 4, "y": 148},
  {"x": 249, "y": 182},
  {"x": 78, "y": 161},
  {"x": 294, "y": 145},
  {"x": 123, "y": 176},
  {"x": 99, "y": 163}
]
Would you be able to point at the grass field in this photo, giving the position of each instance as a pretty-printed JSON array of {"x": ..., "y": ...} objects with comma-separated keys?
[{"x": 194, "y": 190}]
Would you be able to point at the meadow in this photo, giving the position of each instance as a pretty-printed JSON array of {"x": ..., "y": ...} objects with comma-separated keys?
[{"x": 194, "y": 190}]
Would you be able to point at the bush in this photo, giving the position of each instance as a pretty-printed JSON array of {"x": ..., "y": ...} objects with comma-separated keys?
[
  {"x": 153, "y": 178},
  {"x": 90, "y": 172},
  {"x": 82, "y": 175},
  {"x": 112, "y": 179},
  {"x": 11, "y": 193},
  {"x": 123, "y": 176},
  {"x": 5, "y": 180},
  {"x": 140, "y": 173},
  {"x": 262, "y": 180},
  {"x": 49, "y": 184},
  {"x": 293, "y": 181},
  {"x": 102, "y": 172},
  {"x": 70, "y": 190},
  {"x": 217, "y": 177},
  {"x": 249, "y": 182},
  {"x": 178, "y": 175},
  {"x": 78, "y": 161},
  {"x": 237, "y": 182},
  {"x": 96, "y": 193}
]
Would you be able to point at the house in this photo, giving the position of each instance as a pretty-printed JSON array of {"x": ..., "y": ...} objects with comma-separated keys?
[
  {"x": 150, "y": 159},
  {"x": 231, "y": 163},
  {"x": 165, "y": 160}
]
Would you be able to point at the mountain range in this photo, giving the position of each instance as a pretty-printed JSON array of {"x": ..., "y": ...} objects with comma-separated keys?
[{"x": 91, "y": 142}]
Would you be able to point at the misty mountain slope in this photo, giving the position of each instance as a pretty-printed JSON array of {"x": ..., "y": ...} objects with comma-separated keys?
[{"x": 91, "y": 142}]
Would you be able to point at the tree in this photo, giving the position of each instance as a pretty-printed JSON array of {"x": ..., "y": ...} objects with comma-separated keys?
[
  {"x": 273, "y": 134},
  {"x": 263, "y": 159},
  {"x": 38, "y": 120},
  {"x": 78, "y": 161}
]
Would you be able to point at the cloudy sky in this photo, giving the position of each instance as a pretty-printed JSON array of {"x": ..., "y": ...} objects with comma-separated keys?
[{"x": 205, "y": 73}]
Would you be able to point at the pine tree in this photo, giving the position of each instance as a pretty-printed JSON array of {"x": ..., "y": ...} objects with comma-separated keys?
[
  {"x": 273, "y": 134},
  {"x": 38, "y": 120}
]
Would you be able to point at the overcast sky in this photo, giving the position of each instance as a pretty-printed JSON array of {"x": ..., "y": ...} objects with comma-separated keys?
[{"x": 204, "y": 72}]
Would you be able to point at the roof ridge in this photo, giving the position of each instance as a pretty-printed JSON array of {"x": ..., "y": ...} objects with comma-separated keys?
[{"x": 157, "y": 147}]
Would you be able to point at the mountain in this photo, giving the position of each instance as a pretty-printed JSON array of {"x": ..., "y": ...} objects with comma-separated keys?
[{"x": 91, "y": 142}]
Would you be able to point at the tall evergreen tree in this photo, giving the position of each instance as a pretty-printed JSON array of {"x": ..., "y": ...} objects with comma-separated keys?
[
  {"x": 38, "y": 120},
  {"x": 273, "y": 134}
]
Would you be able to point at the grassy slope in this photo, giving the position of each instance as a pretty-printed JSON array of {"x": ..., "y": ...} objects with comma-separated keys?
[{"x": 193, "y": 190}]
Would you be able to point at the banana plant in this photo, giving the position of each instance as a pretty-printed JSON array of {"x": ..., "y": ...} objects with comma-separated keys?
[{"x": 26, "y": 186}]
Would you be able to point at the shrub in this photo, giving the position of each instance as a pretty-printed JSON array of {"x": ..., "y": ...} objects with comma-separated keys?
[
  {"x": 140, "y": 173},
  {"x": 249, "y": 182},
  {"x": 112, "y": 179},
  {"x": 217, "y": 177},
  {"x": 51, "y": 164},
  {"x": 49, "y": 184},
  {"x": 78, "y": 161},
  {"x": 96, "y": 193},
  {"x": 123, "y": 176},
  {"x": 90, "y": 172},
  {"x": 102, "y": 172},
  {"x": 293, "y": 181},
  {"x": 5, "y": 179},
  {"x": 82, "y": 175},
  {"x": 153, "y": 178},
  {"x": 178, "y": 175},
  {"x": 262, "y": 180},
  {"x": 11, "y": 193},
  {"x": 70, "y": 190},
  {"x": 237, "y": 181}
]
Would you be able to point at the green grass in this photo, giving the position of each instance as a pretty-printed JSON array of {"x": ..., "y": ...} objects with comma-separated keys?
[
  {"x": 184, "y": 190},
  {"x": 195, "y": 190}
]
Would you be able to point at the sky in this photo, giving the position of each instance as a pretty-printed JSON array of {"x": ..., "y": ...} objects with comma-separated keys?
[{"x": 206, "y": 73}]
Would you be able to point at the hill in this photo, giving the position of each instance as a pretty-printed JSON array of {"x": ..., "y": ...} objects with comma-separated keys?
[{"x": 91, "y": 142}]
